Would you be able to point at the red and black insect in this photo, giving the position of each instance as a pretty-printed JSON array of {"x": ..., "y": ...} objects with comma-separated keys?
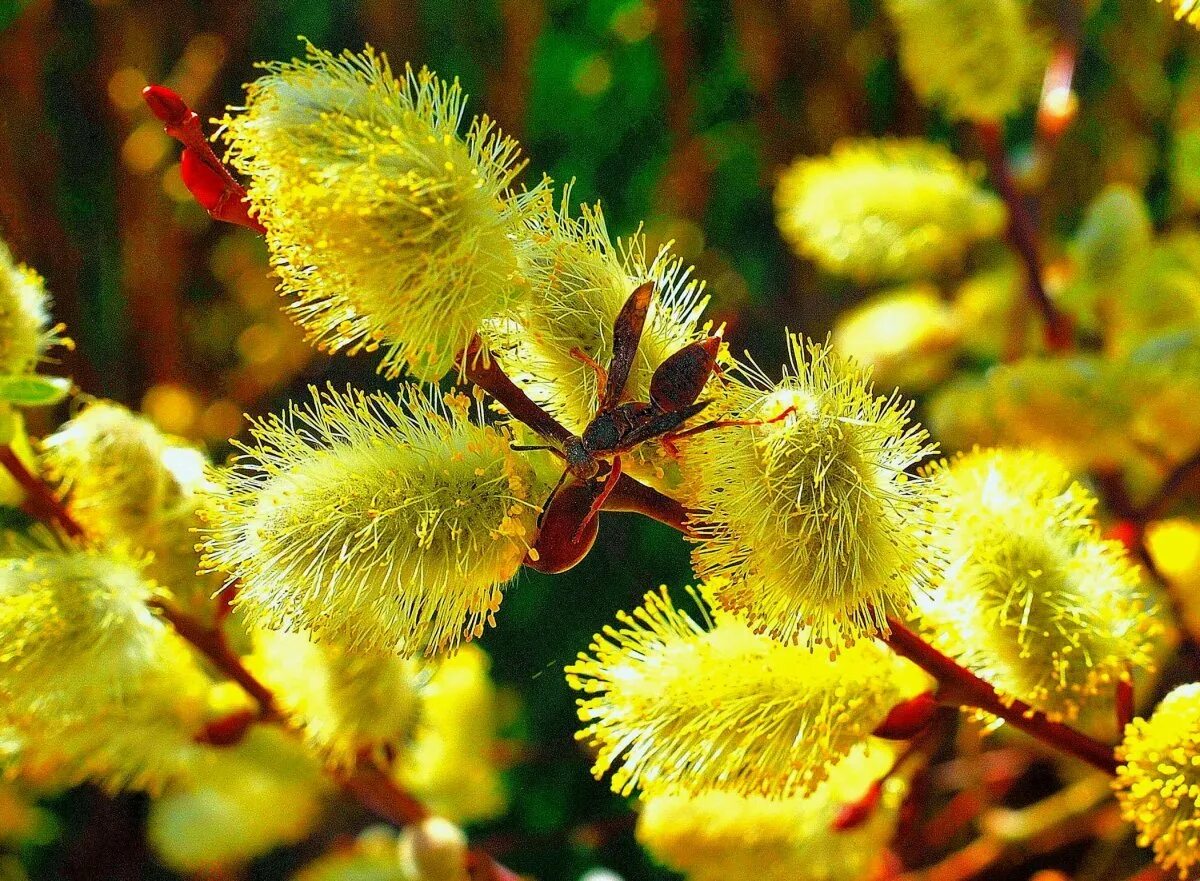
[{"x": 593, "y": 477}]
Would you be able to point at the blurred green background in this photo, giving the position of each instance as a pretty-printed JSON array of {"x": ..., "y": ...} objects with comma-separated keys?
[{"x": 678, "y": 115}]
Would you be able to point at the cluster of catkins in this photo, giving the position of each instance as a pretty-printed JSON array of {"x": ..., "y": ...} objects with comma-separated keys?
[{"x": 363, "y": 539}]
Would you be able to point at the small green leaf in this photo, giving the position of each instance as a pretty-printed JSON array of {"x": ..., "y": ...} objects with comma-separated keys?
[{"x": 33, "y": 390}]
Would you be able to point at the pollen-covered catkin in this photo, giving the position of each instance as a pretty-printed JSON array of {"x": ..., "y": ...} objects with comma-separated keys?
[
  {"x": 1031, "y": 598},
  {"x": 716, "y": 836},
  {"x": 1186, "y": 10},
  {"x": 1158, "y": 782},
  {"x": 387, "y": 227},
  {"x": 674, "y": 707},
  {"x": 885, "y": 209},
  {"x": 345, "y": 702},
  {"x": 587, "y": 280},
  {"x": 808, "y": 522},
  {"x": 976, "y": 58},
  {"x": 25, "y": 330},
  {"x": 372, "y": 522}
]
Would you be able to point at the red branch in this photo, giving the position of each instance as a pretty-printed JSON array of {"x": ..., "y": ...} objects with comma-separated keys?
[
  {"x": 961, "y": 687},
  {"x": 40, "y": 501},
  {"x": 1022, "y": 236}
]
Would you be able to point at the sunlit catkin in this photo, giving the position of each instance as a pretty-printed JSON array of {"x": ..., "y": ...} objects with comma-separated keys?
[
  {"x": 347, "y": 703},
  {"x": 1158, "y": 782},
  {"x": 25, "y": 329},
  {"x": 887, "y": 209},
  {"x": 387, "y": 227},
  {"x": 451, "y": 762},
  {"x": 975, "y": 58},
  {"x": 808, "y": 521},
  {"x": 371, "y": 522},
  {"x": 673, "y": 707},
  {"x": 1031, "y": 598},
  {"x": 587, "y": 279},
  {"x": 715, "y": 836},
  {"x": 1186, "y": 10}
]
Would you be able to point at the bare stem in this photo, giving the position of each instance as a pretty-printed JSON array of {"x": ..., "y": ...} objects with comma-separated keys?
[
  {"x": 962, "y": 687},
  {"x": 1170, "y": 489},
  {"x": 40, "y": 500},
  {"x": 1022, "y": 236}
]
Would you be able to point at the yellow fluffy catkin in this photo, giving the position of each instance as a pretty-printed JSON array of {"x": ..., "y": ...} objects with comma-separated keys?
[
  {"x": 674, "y": 707},
  {"x": 1031, "y": 598},
  {"x": 25, "y": 329},
  {"x": 387, "y": 227},
  {"x": 1158, "y": 782},
  {"x": 1186, "y": 10},
  {"x": 372, "y": 522},
  {"x": 808, "y": 520},
  {"x": 884, "y": 209},
  {"x": 976, "y": 58}
]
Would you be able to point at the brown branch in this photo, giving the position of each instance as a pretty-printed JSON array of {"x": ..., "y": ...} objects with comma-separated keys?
[
  {"x": 1022, "y": 236},
  {"x": 962, "y": 687},
  {"x": 1169, "y": 490},
  {"x": 40, "y": 500}
]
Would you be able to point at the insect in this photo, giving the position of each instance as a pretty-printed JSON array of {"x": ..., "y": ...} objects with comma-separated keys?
[{"x": 593, "y": 478}]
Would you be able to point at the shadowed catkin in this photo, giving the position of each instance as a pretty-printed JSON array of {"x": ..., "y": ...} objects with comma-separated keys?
[
  {"x": 254, "y": 796},
  {"x": 373, "y": 523},
  {"x": 885, "y": 209},
  {"x": 587, "y": 281},
  {"x": 1031, "y": 598},
  {"x": 673, "y": 707},
  {"x": 976, "y": 58},
  {"x": 25, "y": 330},
  {"x": 451, "y": 763},
  {"x": 809, "y": 523},
  {"x": 716, "y": 836},
  {"x": 345, "y": 702},
  {"x": 1158, "y": 783},
  {"x": 387, "y": 227}
]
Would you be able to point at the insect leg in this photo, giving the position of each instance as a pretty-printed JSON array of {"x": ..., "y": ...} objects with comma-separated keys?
[{"x": 610, "y": 483}]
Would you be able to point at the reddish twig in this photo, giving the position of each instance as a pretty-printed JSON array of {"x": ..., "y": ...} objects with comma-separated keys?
[
  {"x": 1169, "y": 490},
  {"x": 40, "y": 500},
  {"x": 1022, "y": 236},
  {"x": 962, "y": 687}
]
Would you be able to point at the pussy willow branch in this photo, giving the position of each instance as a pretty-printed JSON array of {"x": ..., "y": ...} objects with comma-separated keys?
[
  {"x": 960, "y": 686},
  {"x": 1169, "y": 490},
  {"x": 40, "y": 500},
  {"x": 1022, "y": 236}
]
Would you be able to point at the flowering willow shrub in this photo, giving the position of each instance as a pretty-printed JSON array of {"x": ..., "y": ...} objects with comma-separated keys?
[{"x": 318, "y": 627}]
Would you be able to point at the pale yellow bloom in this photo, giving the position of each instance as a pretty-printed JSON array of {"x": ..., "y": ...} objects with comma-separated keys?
[
  {"x": 1031, "y": 598},
  {"x": 374, "y": 523},
  {"x": 884, "y": 209},
  {"x": 976, "y": 58},
  {"x": 809, "y": 523},
  {"x": 387, "y": 227},
  {"x": 1188, "y": 10},
  {"x": 25, "y": 330},
  {"x": 719, "y": 836},
  {"x": 674, "y": 707},
  {"x": 451, "y": 762}
]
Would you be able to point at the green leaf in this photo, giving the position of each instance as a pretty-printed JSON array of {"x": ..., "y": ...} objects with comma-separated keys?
[{"x": 33, "y": 390}]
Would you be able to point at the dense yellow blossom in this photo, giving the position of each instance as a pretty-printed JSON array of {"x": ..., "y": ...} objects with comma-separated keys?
[
  {"x": 1174, "y": 546},
  {"x": 1031, "y": 598},
  {"x": 974, "y": 57},
  {"x": 884, "y": 209},
  {"x": 259, "y": 794},
  {"x": 25, "y": 330},
  {"x": 346, "y": 702},
  {"x": 674, "y": 707},
  {"x": 451, "y": 763},
  {"x": 809, "y": 523},
  {"x": 372, "y": 522},
  {"x": 386, "y": 226},
  {"x": 717, "y": 836},
  {"x": 587, "y": 281},
  {"x": 1158, "y": 784},
  {"x": 908, "y": 336}
]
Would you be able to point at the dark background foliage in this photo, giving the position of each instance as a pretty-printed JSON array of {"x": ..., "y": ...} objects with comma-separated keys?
[{"x": 676, "y": 114}]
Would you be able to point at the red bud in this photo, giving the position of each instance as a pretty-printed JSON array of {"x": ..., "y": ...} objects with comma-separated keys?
[
  {"x": 856, "y": 813},
  {"x": 227, "y": 730},
  {"x": 201, "y": 180},
  {"x": 908, "y": 719},
  {"x": 166, "y": 105}
]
